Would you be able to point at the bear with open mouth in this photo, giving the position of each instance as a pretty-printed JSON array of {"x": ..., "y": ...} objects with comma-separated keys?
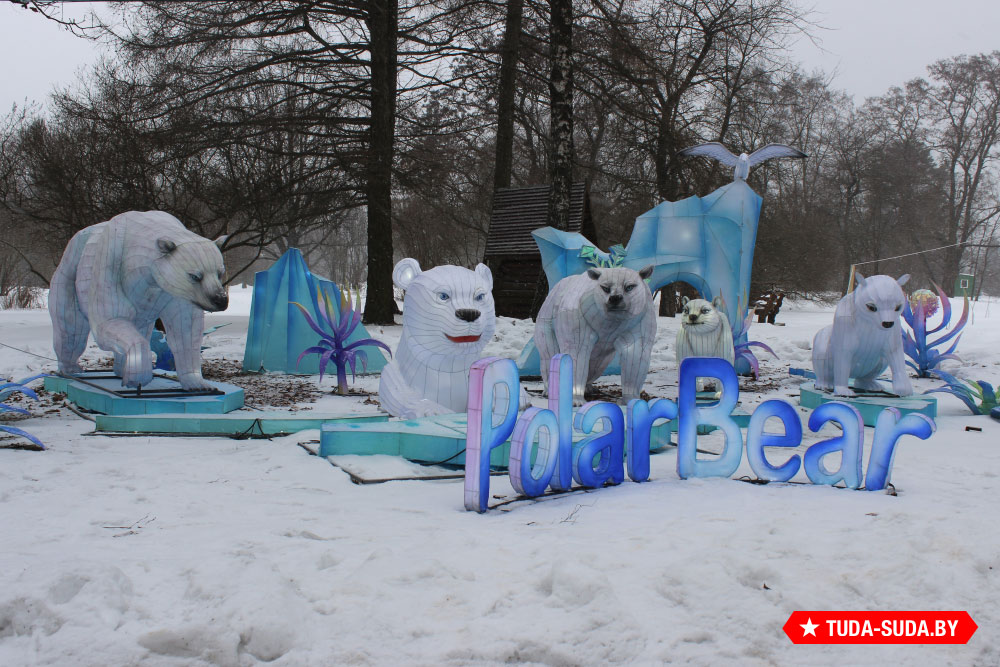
[{"x": 448, "y": 318}]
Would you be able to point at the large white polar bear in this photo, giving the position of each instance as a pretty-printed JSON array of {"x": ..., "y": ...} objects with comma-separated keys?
[
  {"x": 448, "y": 317},
  {"x": 864, "y": 339},
  {"x": 117, "y": 277},
  {"x": 591, "y": 316}
]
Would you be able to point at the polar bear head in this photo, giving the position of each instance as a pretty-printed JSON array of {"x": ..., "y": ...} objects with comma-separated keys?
[
  {"x": 448, "y": 310},
  {"x": 878, "y": 301},
  {"x": 621, "y": 290},
  {"x": 190, "y": 267}
]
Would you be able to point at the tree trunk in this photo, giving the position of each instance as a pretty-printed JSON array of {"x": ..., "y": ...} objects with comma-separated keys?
[
  {"x": 382, "y": 26},
  {"x": 560, "y": 112},
  {"x": 510, "y": 54}
]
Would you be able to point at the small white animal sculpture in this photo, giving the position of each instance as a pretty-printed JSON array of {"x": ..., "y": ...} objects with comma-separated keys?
[
  {"x": 117, "y": 277},
  {"x": 864, "y": 339},
  {"x": 741, "y": 164},
  {"x": 448, "y": 318},
  {"x": 704, "y": 332},
  {"x": 591, "y": 316}
]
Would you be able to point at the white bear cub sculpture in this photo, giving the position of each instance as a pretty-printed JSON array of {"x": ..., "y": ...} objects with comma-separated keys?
[
  {"x": 117, "y": 277},
  {"x": 704, "y": 332},
  {"x": 593, "y": 315},
  {"x": 864, "y": 339},
  {"x": 448, "y": 317}
]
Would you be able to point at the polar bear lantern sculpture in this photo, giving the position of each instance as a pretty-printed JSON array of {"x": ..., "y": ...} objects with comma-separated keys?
[
  {"x": 116, "y": 278},
  {"x": 591, "y": 316},
  {"x": 704, "y": 332},
  {"x": 448, "y": 317},
  {"x": 864, "y": 339}
]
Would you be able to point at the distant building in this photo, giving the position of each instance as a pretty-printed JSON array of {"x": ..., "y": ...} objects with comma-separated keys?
[
  {"x": 965, "y": 285},
  {"x": 511, "y": 252}
]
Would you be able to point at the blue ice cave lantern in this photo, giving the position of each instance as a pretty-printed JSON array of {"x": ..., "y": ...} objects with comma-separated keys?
[
  {"x": 277, "y": 332},
  {"x": 706, "y": 242}
]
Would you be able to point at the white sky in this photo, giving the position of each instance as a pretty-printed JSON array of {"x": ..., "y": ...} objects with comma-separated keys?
[{"x": 871, "y": 44}]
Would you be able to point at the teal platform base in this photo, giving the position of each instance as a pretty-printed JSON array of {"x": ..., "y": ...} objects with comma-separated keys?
[
  {"x": 441, "y": 439},
  {"x": 869, "y": 405},
  {"x": 247, "y": 424},
  {"x": 95, "y": 392}
]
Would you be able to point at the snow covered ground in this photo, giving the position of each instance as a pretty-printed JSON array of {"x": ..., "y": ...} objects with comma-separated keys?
[{"x": 182, "y": 551}]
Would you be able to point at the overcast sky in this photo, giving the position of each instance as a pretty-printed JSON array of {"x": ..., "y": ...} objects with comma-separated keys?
[{"x": 870, "y": 44}]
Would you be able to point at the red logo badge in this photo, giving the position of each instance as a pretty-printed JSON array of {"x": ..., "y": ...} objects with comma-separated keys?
[{"x": 880, "y": 627}]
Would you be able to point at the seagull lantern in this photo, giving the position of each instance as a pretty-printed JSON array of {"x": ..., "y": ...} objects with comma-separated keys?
[{"x": 741, "y": 164}]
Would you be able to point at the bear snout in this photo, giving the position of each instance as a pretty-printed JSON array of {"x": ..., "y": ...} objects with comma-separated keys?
[
  {"x": 467, "y": 314},
  {"x": 615, "y": 299},
  {"x": 220, "y": 301},
  {"x": 888, "y": 325},
  {"x": 692, "y": 318}
]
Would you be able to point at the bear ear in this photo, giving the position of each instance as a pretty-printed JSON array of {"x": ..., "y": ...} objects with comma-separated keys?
[
  {"x": 405, "y": 271},
  {"x": 859, "y": 279},
  {"x": 594, "y": 274},
  {"x": 485, "y": 275},
  {"x": 902, "y": 279},
  {"x": 166, "y": 246},
  {"x": 718, "y": 303},
  {"x": 646, "y": 272},
  {"x": 221, "y": 240},
  {"x": 684, "y": 300}
]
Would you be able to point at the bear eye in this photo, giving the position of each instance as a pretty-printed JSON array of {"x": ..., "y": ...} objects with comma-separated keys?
[
  {"x": 899, "y": 307},
  {"x": 480, "y": 297},
  {"x": 629, "y": 288},
  {"x": 195, "y": 277},
  {"x": 871, "y": 306},
  {"x": 607, "y": 290},
  {"x": 443, "y": 296},
  {"x": 705, "y": 311},
  {"x": 686, "y": 310}
]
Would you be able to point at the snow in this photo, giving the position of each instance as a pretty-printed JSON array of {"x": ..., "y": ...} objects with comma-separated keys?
[{"x": 181, "y": 551}]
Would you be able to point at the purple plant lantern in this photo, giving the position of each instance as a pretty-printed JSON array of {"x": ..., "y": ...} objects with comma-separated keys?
[
  {"x": 743, "y": 351},
  {"x": 916, "y": 343},
  {"x": 335, "y": 332},
  {"x": 8, "y": 388}
]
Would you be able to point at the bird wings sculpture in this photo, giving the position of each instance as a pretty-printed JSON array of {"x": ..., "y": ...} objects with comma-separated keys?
[{"x": 743, "y": 162}]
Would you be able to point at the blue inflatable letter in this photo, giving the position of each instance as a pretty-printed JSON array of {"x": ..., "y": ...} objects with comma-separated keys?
[
  {"x": 849, "y": 444},
  {"x": 691, "y": 416},
  {"x": 483, "y": 434},
  {"x": 757, "y": 440}
]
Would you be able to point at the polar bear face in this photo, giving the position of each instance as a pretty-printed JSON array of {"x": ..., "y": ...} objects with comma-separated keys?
[
  {"x": 192, "y": 270},
  {"x": 448, "y": 309},
  {"x": 878, "y": 301},
  {"x": 702, "y": 316},
  {"x": 621, "y": 290}
]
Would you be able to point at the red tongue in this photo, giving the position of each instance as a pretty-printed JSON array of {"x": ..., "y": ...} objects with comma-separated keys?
[{"x": 462, "y": 339}]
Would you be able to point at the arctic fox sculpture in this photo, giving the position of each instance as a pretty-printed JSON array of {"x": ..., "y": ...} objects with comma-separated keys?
[{"x": 704, "y": 332}]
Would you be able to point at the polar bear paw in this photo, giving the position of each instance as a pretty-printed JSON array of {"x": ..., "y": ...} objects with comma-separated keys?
[
  {"x": 137, "y": 369},
  {"x": 194, "y": 382},
  {"x": 70, "y": 369},
  {"x": 902, "y": 388}
]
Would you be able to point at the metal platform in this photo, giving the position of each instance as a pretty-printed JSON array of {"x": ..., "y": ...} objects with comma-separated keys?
[
  {"x": 869, "y": 404},
  {"x": 104, "y": 393}
]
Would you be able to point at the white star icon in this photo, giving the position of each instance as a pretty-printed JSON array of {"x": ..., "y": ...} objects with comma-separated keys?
[{"x": 809, "y": 628}]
